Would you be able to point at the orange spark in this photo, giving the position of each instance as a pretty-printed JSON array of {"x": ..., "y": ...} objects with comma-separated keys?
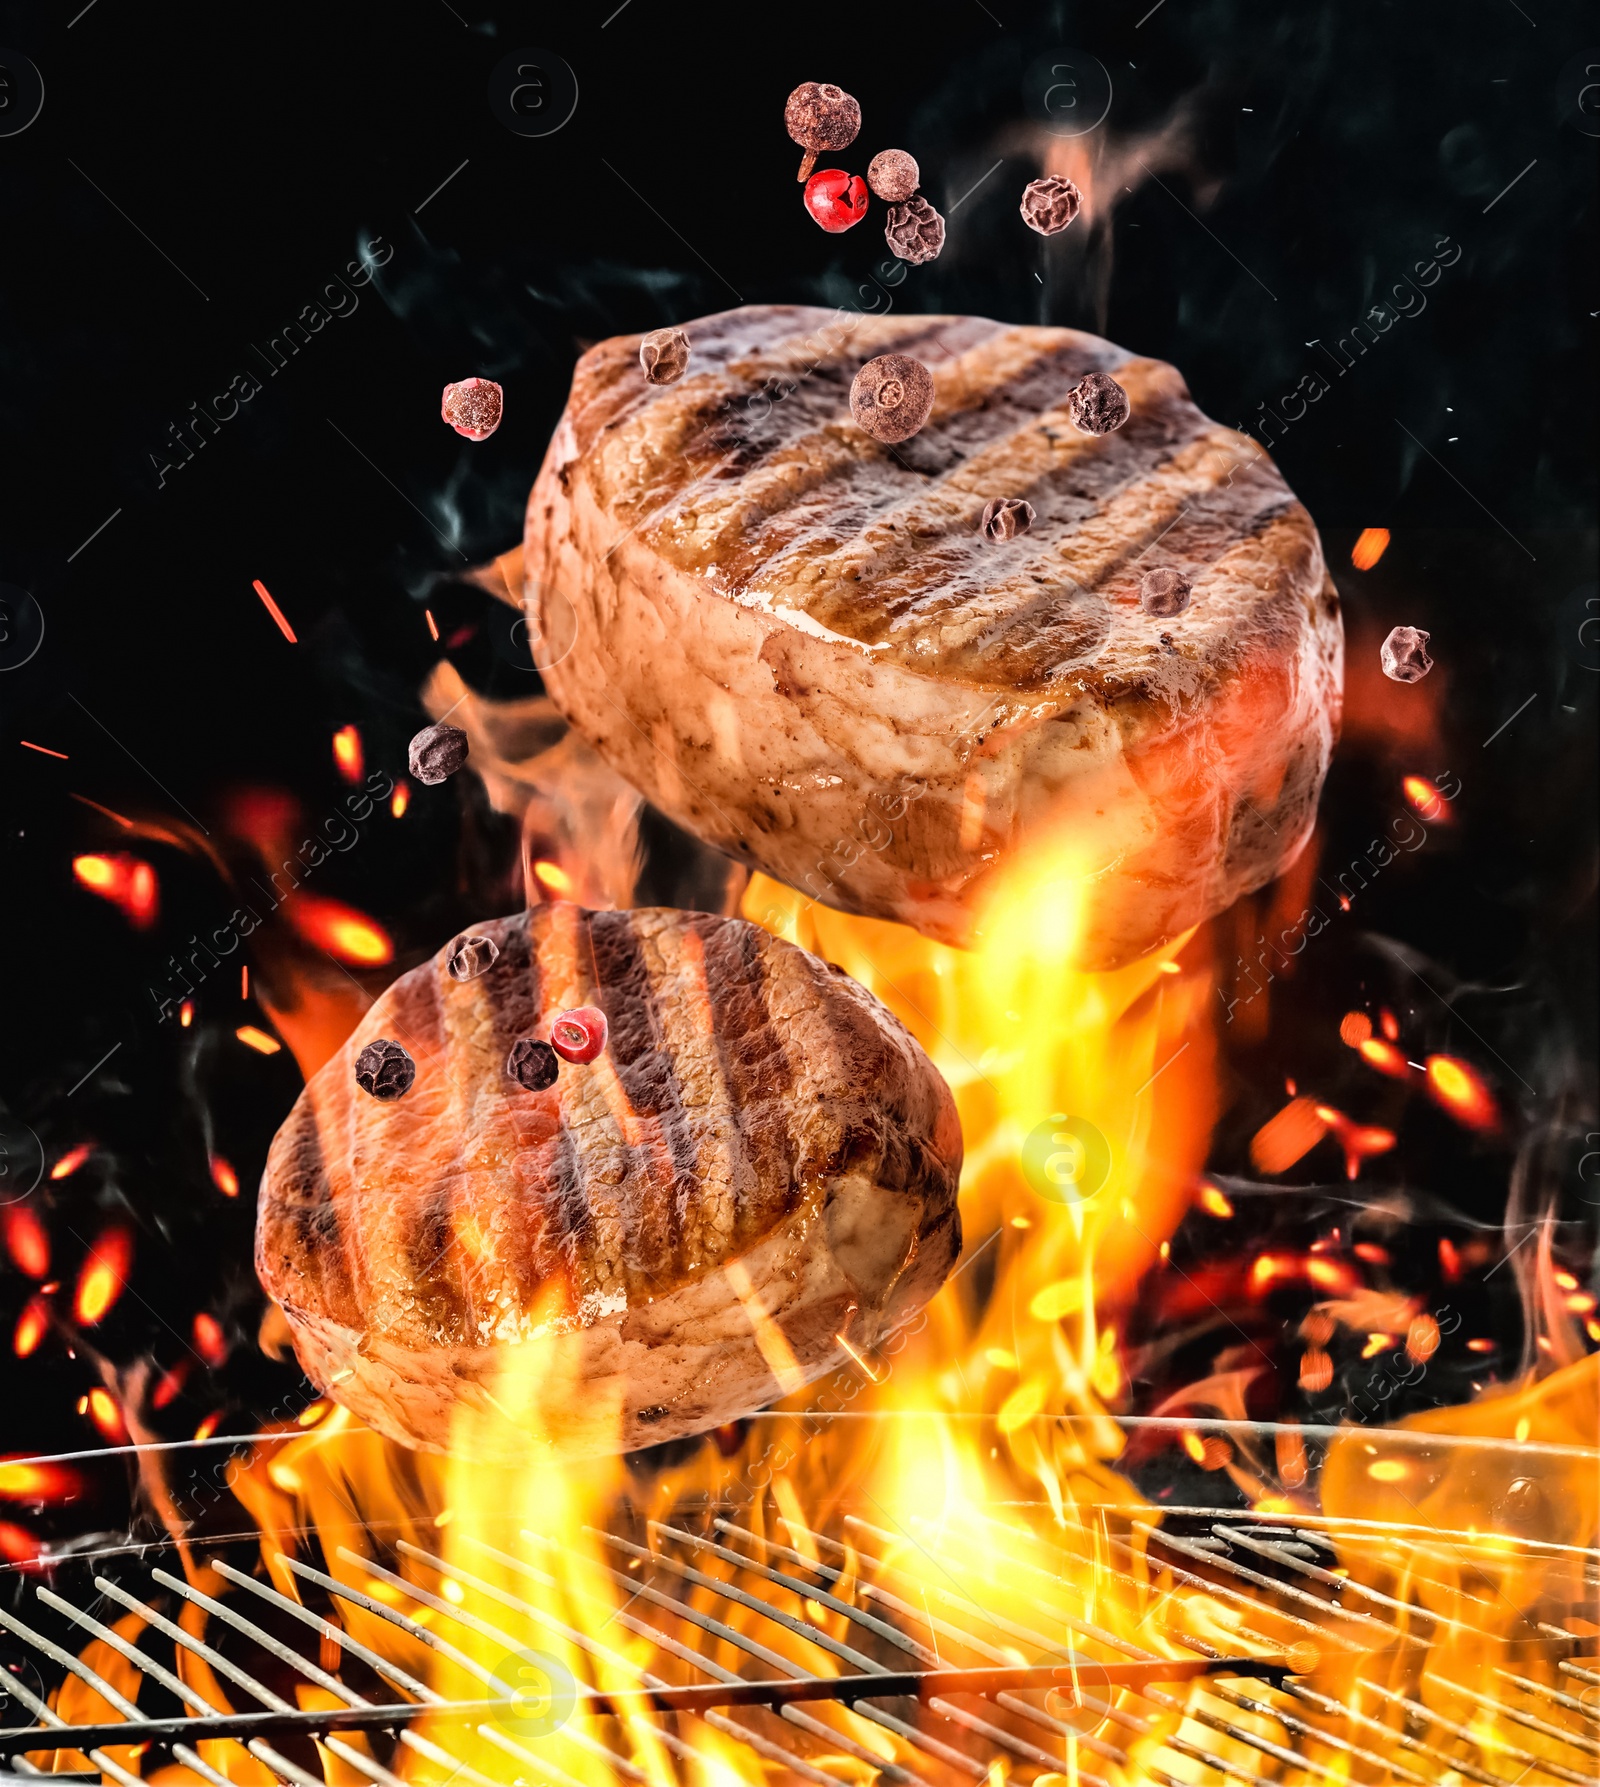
[
  {"x": 401, "y": 800},
  {"x": 26, "y": 1240},
  {"x": 103, "y": 1275},
  {"x": 107, "y": 1416},
  {"x": 1316, "y": 1370},
  {"x": 209, "y": 1340},
  {"x": 17, "y": 1544},
  {"x": 1581, "y": 1302},
  {"x": 1386, "y": 1470},
  {"x": 1287, "y": 1137},
  {"x": 1377, "y": 1343},
  {"x": 274, "y": 610},
  {"x": 127, "y": 881},
  {"x": 1360, "y": 1141},
  {"x": 1385, "y": 1057},
  {"x": 1567, "y": 1280},
  {"x": 1214, "y": 1203},
  {"x": 171, "y": 1384},
  {"x": 1427, "y": 799},
  {"x": 1371, "y": 1252},
  {"x": 186, "y": 1014},
  {"x": 1369, "y": 548},
  {"x": 346, "y": 935},
  {"x": 224, "y": 1177},
  {"x": 1460, "y": 1090},
  {"x": 1389, "y": 1024},
  {"x": 21, "y": 1481},
  {"x": 43, "y": 750},
  {"x": 1422, "y": 1338},
  {"x": 1449, "y": 1259},
  {"x": 347, "y": 753},
  {"x": 32, "y": 1326},
  {"x": 553, "y": 876},
  {"x": 72, "y": 1160},
  {"x": 858, "y": 1359},
  {"x": 244, "y": 980},
  {"x": 252, "y": 1038},
  {"x": 1482, "y": 1346},
  {"x": 1354, "y": 1029},
  {"x": 433, "y": 625},
  {"x": 208, "y": 1426}
]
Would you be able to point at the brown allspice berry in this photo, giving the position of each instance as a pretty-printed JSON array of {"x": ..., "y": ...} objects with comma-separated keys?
[
  {"x": 820, "y": 116},
  {"x": 664, "y": 356},
  {"x": 894, "y": 175},
  {"x": 1097, "y": 404},
  {"x": 1050, "y": 204},
  {"x": 1006, "y": 517},
  {"x": 436, "y": 753},
  {"x": 1404, "y": 655},
  {"x": 891, "y": 397},
  {"x": 915, "y": 231}
]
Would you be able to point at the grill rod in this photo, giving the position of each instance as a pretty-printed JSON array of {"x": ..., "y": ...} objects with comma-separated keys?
[{"x": 921, "y": 1684}]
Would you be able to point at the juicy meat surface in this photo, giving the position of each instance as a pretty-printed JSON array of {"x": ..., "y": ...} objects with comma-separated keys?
[
  {"x": 665, "y": 1239},
  {"x": 797, "y": 642}
]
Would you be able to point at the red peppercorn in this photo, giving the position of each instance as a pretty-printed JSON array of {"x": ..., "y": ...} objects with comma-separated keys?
[
  {"x": 836, "y": 199},
  {"x": 579, "y": 1035}
]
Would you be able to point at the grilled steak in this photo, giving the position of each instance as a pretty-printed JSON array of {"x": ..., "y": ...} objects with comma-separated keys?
[
  {"x": 798, "y": 643},
  {"x": 665, "y": 1239}
]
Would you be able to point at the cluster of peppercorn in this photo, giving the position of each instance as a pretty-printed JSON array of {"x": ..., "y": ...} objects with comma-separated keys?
[{"x": 821, "y": 117}]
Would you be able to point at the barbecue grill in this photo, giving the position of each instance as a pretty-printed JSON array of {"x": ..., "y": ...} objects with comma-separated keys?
[{"x": 845, "y": 1655}]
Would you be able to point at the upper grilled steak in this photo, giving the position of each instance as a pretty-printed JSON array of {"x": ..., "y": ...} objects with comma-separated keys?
[
  {"x": 798, "y": 643},
  {"x": 665, "y": 1239}
]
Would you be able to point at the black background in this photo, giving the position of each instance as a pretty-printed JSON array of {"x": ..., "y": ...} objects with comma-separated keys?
[{"x": 198, "y": 175}]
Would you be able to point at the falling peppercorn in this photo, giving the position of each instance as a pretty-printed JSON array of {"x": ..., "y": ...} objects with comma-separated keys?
[
  {"x": 915, "y": 231},
  {"x": 436, "y": 753},
  {"x": 473, "y": 407},
  {"x": 891, "y": 397},
  {"x": 1097, "y": 404},
  {"x": 664, "y": 356},
  {"x": 1005, "y": 518},
  {"x": 1404, "y": 655},
  {"x": 471, "y": 956},
  {"x": 820, "y": 116},
  {"x": 837, "y": 200},
  {"x": 532, "y": 1064},
  {"x": 384, "y": 1069},
  {"x": 1050, "y": 204},
  {"x": 893, "y": 175},
  {"x": 1164, "y": 592}
]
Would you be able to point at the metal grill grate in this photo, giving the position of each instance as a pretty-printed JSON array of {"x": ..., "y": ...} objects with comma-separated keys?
[{"x": 837, "y": 1638}]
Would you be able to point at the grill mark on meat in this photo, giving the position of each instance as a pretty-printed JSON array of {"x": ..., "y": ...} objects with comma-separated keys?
[
  {"x": 307, "y": 1236},
  {"x": 638, "y": 1046},
  {"x": 756, "y": 1070}
]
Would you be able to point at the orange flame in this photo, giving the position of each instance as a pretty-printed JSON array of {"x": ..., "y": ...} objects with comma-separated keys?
[
  {"x": 32, "y": 1326},
  {"x": 1460, "y": 1090},
  {"x": 1371, "y": 545},
  {"x": 400, "y": 799},
  {"x": 24, "y": 1481},
  {"x": 26, "y": 1239},
  {"x": 1427, "y": 799},
  {"x": 128, "y": 882},
  {"x": 103, "y": 1275},
  {"x": 347, "y": 753},
  {"x": 347, "y": 935}
]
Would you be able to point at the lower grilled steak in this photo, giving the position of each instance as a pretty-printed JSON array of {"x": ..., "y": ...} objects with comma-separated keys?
[{"x": 760, "y": 1161}]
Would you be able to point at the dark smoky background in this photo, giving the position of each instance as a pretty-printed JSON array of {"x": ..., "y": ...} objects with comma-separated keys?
[{"x": 1257, "y": 181}]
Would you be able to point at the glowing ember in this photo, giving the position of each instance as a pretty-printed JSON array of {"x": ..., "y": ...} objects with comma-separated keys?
[
  {"x": 32, "y": 1326},
  {"x": 17, "y": 1544},
  {"x": 26, "y": 1239},
  {"x": 433, "y": 625},
  {"x": 1377, "y": 1343},
  {"x": 252, "y": 1038},
  {"x": 400, "y": 800},
  {"x": 103, "y": 1275},
  {"x": 186, "y": 1014},
  {"x": 171, "y": 1385},
  {"x": 1482, "y": 1345},
  {"x": 1354, "y": 1029},
  {"x": 1360, "y": 1141},
  {"x": 1449, "y": 1260},
  {"x": 224, "y": 1177},
  {"x": 128, "y": 882},
  {"x": 21, "y": 1481},
  {"x": 209, "y": 1425},
  {"x": 1427, "y": 799},
  {"x": 209, "y": 1340},
  {"x": 1386, "y": 1470},
  {"x": 1288, "y": 1137},
  {"x": 1214, "y": 1203},
  {"x": 1459, "y": 1090},
  {"x": 1385, "y": 1057},
  {"x": 1369, "y": 547},
  {"x": 43, "y": 750},
  {"x": 1316, "y": 1370},
  {"x": 347, "y": 753},
  {"x": 107, "y": 1416},
  {"x": 1389, "y": 1024},
  {"x": 1422, "y": 1338},
  {"x": 1371, "y": 1252},
  {"x": 71, "y": 1160},
  {"x": 347, "y": 935},
  {"x": 273, "y": 609},
  {"x": 553, "y": 876}
]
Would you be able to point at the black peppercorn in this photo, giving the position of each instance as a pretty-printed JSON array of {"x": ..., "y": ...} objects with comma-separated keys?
[
  {"x": 1005, "y": 518},
  {"x": 1050, "y": 204},
  {"x": 664, "y": 356},
  {"x": 436, "y": 753},
  {"x": 471, "y": 956},
  {"x": 532, "y": 1064},
  {"x": 384, "y": 1069},
  {"x": 915, "y": 231}
]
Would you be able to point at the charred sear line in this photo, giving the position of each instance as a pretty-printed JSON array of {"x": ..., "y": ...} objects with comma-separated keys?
[
  {"x": 756, "y": 1070},
  {"x": 644, "y": 1067},
  {"x": 565, "y": 1211},
  {"x": 511, "y": 988}
]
